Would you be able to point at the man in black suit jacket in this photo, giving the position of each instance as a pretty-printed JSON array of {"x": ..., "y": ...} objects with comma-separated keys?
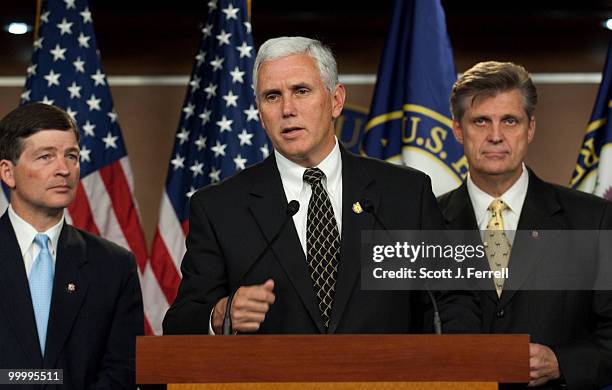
[
  {"x": 571, "y": 331},
  {"x": 85, "y": 320},
  {"x": 242, "y": 236}
]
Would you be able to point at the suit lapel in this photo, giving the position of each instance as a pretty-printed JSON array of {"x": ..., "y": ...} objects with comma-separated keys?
[
  {"x": 15, "y": 299},
  {"x": 459, "y": 215},
  {"x": 354, "y": 188},
  {"x": 268, "y": 206},
  {"x": 532, "y": 242},
  {"x": 69, "y": 289}
]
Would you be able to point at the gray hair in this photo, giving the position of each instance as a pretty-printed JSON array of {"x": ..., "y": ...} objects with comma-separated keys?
[{"x": 276, "y": 48}]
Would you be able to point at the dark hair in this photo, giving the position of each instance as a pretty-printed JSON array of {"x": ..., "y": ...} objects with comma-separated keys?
[
  {"x": 25, "y": 121},
  {"x": 490, "y": 78}
]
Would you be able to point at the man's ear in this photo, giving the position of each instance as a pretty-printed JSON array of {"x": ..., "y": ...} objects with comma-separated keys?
[
  {"x": 531, "y": 129},
  {"x": 338, "y": 97},
  {"x": 457, "y": 131},
  {"x": 7, "y": 173}
]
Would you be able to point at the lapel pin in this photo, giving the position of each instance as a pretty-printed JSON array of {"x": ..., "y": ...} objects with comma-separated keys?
[
  {"x": 535, "y": 234},
  {"x": 357, "y": 209},
  {"x": 71, "y": 288}
]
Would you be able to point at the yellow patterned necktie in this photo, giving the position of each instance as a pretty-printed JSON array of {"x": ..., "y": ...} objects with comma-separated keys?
[{"x": 497, "y": 246}]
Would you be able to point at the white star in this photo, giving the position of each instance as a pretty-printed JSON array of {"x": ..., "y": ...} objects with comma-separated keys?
[
  {"x": 224, "y": 38},
  {"x": 44, "y": 18},
  {"x": 248, "y": 26},
  {"x": 200, "y": 57},
  {"x": 265, "y": 151},
  {"x": 32, "y": 70},
  {"x": 225, "y": 124},
  {"x": 245, "y": 138},
  {"x": 237, "y": 75},
  {"x": 93, "y": 103},
  {"x": 240, "y": 162},
  {"x": 211, "y": 90},
  {"x": 197, "y": 168},
  {"x": 69, "y": 4},
  {"x": 65, "y": 27},
  {"x": 86, "y": 16},
  {"x": 230, "y": 12},
  {"x": 48, "y": 101},
  {"x": 52, "y": 78},
  {"x": 178, "y": 162},
  {"x": 195, "y": 83},
  {"x": 88, "y": 128},
  {"x": 98, "y": 78},
  {"x": 58, "y": 53},
  {"x": 110, "y": 141},
  {"x": 212, "y": 4},
  {"x": 230, "y": 99},
  {"x": 207, "y": 30},
  {"x": 252, "y": 113},
  {"x": 205, "y": 116},
  {"x": 183, "y": 136},
  {"x": 83, "y": 40},
  {"x": 200, "y": 143},
  {"x": 75, "y": 91},
  {"x": 113, "y": 116},
  {"x": 85, "y": 154},
  {"x": 219, "y": 149},
  {"x": 191, "y": 192},
  {"x": 38, "y": 43},
  {"x": 188, "y": 110},
  {"x": 73, "y": 114},
  {"x": 214, "y": 175},
  {"x": 217, "y": 63},
  {"x": 25, "y": 96},
  {"x": 79, "y": 65},
  {"x": 244, "y": 49}
]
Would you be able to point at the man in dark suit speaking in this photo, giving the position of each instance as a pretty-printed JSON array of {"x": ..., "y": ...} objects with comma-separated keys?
[
  {"x": 68, "y": 300},
  {"x": 493, "y": 107},
  {"x": 297, "y": 270}
]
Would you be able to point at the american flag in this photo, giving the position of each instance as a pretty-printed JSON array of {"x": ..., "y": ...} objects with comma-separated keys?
[
  {"x": 66, "y": 71},
  {"x": 218, "y": 134}
]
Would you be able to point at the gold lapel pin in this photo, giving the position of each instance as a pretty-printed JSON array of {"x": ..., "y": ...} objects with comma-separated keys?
[
  {"x": 71, "y": 288},
  {"x": 357, "y": 209}
]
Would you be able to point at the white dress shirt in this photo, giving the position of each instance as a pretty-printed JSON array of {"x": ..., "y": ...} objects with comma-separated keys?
[
  {"x": 296, "y": 189},
  {"x": 25, "y": 238},
  {"x": 514, "y": 198}
]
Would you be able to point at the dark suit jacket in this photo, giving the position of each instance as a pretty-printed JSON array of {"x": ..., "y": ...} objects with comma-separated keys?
[
  {"x": 231, "y": 223},
  {"x": 92, "y": 331},
  {"x": 577, "y": 325}
]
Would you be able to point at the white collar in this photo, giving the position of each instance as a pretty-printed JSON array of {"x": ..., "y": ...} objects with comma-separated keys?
[
  {"x": 25, "y": 232},
  {"x": 514, "y": 197}
]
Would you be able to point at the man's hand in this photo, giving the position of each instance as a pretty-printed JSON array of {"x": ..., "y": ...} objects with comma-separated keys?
[
  {"x": 249, "y": 308},
  {"x": 543, "y": 364}
]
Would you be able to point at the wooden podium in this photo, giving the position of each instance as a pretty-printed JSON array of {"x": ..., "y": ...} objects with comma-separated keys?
[{"x": 333, "y": 361}]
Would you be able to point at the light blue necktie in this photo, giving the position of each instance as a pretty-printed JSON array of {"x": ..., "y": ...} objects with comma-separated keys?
[{"x": 41, "y": 287}]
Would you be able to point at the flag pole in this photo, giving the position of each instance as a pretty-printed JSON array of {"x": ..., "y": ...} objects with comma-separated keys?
[{"x": 37, "y": 20}]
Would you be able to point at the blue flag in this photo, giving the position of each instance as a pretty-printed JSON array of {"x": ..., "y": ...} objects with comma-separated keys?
[
  {"x": 409, "y": 120},
  {"x": 593, "y": 172},
  {"x": 349, "y": 126}
]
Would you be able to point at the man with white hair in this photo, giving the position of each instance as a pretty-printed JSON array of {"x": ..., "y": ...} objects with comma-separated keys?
[{"x": 296, "y": 269}]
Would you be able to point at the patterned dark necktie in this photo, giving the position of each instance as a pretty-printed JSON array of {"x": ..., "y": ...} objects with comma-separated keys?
[{"x": 322, "y": 243}]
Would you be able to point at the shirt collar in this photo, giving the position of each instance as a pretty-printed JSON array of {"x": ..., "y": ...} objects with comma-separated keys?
[
  {"x": 514, "y": 197},
  {"x": 25, "y": 232},
  {"x": 292, "y": 173}
]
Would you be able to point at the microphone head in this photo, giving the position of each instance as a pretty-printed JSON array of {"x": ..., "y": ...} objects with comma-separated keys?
[
  {"x": 293, "y": 207},
  {"x": 367, "y": 205}
]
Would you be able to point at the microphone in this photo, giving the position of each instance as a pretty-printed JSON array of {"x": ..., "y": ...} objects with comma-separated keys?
[
  {"x": 368, "y": 207},
  {"x": 292, "y": 208}
]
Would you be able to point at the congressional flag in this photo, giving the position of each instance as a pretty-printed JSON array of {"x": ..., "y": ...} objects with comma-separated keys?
[
  {"x": 409, "y": 121},
  {"x": 218, "y": 134},
  {"x": 66, "y": 72},
  {"x": 593, "y": 171}
]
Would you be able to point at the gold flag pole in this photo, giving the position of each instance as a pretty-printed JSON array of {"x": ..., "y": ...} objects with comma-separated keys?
[{"x": 37, "y": 21}]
